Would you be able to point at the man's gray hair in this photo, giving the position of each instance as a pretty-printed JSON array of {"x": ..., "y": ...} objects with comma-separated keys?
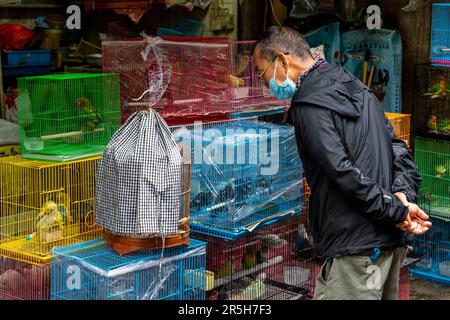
[{"x": 283, "y": 40}]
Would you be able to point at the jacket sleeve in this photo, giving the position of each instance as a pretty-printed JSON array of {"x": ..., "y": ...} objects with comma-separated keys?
[
  {"x": 323, "y": 144},
  {"x": 406, "y": 177}
]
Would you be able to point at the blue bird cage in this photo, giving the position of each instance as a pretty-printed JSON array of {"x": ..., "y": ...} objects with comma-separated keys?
[
  {"x": 440, "y": 35},
  {"x": 243, "y": 173},
  {"x": 93, "y": 271},
  {"x": 435, "y": 247}
]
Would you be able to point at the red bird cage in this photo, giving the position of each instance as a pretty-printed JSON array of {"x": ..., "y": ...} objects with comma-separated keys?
[
  {"x": 272, "y": 263},
  {"x": 186, "y": 76}
]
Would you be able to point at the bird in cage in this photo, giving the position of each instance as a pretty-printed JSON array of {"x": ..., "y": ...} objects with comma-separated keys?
[
  {"x": 227, "y": 269},
  {"x": 439, "y": 89},
  {"x": 301, "y": 242},
  {"x": 254, "y": 291},
  {"x": 441, "y": 170},
  {"x": 203, "y": 199},
  {"x": 50, "y": 223},
  {"x": 11, "y": 280},
  {"x": 443, "y": 126},
  {"x": 249, "y": 259},
  {"x": 91, "y": 118}
]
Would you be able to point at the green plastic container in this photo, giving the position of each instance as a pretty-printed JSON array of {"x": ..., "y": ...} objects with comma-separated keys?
[
  {"x": 433, "y": 159},
  {"x": 65, "y": 117}
]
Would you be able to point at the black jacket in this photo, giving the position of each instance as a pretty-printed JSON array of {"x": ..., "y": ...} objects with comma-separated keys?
[{"x": 353, "y": 163}]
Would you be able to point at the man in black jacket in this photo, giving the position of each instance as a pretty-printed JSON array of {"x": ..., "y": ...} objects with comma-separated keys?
[{"x": 363, "y": 179}]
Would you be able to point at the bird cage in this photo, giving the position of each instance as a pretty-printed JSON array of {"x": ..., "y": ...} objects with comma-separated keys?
[
  {"x": 243, "y": 173},
  {"x": 65, "y": 117},
  {"x": 440, "y": 35},
  {"x": 190, "y": 75},
  {"x": 435, "y": 248},
  {"x": 433, "y": 160},
  {"x": 432, "y": 101},
  {"x": 272, "y": 263},
  {"x": 124, "y": 244},
  {"x": 248, "y": 91},
  {"x": 404, "y": 284},
  {"x": 45, "y": 205},
  {"x": 401, "y": 124},
  {"x": 23, "y": 281},
  {"x": 92, "y": 271},
  {"x": 179, "y": 78}
]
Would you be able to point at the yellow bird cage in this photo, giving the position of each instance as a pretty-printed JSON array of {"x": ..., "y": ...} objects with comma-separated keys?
[
  {"x": 401, "y": 123},
  {"x": 45, "y": 205}
]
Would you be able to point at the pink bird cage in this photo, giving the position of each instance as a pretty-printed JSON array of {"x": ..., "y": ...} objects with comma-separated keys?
[
  {"x": 186, "y": 76},
  {"x": 23, "y": 281}
]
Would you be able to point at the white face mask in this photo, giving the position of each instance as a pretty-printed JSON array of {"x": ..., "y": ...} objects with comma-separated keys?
[{"x": 283, "y": 91}]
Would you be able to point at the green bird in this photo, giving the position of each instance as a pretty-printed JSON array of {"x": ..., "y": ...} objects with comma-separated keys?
[
  {"x": 89, "y": 115},
  {"x": 249, "y": 259}
]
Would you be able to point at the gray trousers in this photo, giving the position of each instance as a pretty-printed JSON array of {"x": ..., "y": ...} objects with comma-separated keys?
[{"x": 357, "y": 277}]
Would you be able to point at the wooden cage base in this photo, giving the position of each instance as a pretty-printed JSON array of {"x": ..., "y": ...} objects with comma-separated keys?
[{"x": 124, "y": 245}]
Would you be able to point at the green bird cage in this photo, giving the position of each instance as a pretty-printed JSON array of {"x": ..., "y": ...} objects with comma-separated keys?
[
  {"x": 64, "y": 117},
  {"x": 433, "y": 159}
]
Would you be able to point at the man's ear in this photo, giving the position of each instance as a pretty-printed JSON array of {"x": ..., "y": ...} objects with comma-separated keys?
[{"x": 284, "y": 61}]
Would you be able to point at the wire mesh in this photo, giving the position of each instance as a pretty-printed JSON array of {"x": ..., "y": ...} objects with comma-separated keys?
[
  {"x": 243, "y": 172},
  {"x": 440, "y": 34},
  {"x": 433, "y": 160},
  {"x": 272, "y": 263},
  {"x": 67, "y": 116},
  {"x": 195, "y": 75},
  {"x": 44, "y": 205},
  {"x": 401, "y": 124},
  {"x": 432, "y": 101},
  {"x": 92, "y": 271},
  {"x": 23, "y": 281}
]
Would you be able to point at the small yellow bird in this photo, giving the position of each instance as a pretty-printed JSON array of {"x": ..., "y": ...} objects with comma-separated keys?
[{"x": 49, "y": 217}]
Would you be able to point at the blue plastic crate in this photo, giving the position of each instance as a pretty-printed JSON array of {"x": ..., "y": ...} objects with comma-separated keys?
[
  {"x": 92, "y": 271},
  {"x": 182, "y": 26},
  {"x": 440, "y": 35},
  {"x": 16, "y": 71},
  {"x": 165, "y": 32},
  {"x": 28, "y": 58}
]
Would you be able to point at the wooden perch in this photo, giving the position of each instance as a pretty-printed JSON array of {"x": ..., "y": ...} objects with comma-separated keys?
[
  {"x": 68, "y": 134},
  {"x": 243, "y": 273}
]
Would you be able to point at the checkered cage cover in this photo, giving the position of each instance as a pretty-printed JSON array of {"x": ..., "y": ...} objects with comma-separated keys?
[{"x": 138, "y": 187}]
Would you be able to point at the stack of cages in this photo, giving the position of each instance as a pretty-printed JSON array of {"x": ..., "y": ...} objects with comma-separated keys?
[
  {"x": 271, "y": 263},
  {"x": 433, "y": 159},
  {"x": 432, "y": 101},
  {"x": 65, "y": 117},
  {"x": 197, "y": 79},
  {"x": 244, "y": 173},
  {"x": 42, "y": 205},
  {"x": 401, "y": 124},
  {"x": 440, "y": 35},
  {"x": 93, "y": 271}
]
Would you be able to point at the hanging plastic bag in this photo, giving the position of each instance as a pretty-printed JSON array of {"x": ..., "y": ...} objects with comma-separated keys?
[
  {"x": 14, "y": 36},
  {"x": 413, "y": 5},
  {"x": 303, "y": 9},
  {"x": 139, "y": 179},
  {"x": 347, "y": 10}
]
